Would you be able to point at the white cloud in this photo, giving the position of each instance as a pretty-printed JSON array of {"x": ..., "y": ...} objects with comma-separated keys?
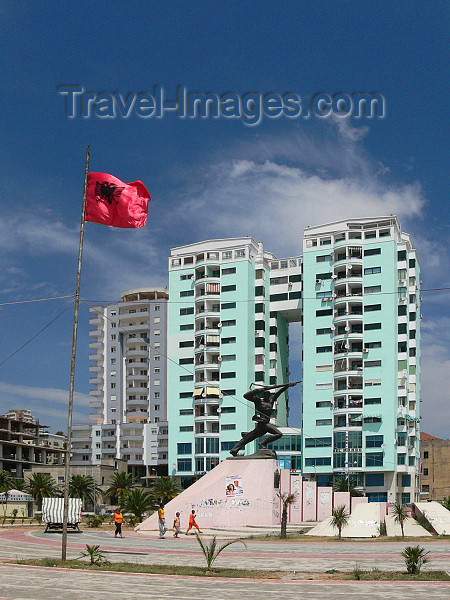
[{"x": 46, "y": 394}]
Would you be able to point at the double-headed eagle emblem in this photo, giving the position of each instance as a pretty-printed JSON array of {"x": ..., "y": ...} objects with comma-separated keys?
[{"x": 105, "y": 190}]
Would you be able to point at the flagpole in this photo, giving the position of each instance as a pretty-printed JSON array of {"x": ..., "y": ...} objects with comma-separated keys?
[{"x": 72, "y": 364}]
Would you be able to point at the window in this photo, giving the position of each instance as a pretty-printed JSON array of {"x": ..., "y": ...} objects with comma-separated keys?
[
  {"x": 374, "y": 459},
  {"x": 372, "y": 270},
  {"x": 406, "y": 480},
  {"x": 412, "y": 334},
  {"x": 372, "y": 345},
  {"x": 401, "y": 459},
  {"x": 369, "y": 401},
  {"x": 184, "y": 448},
  {"x": 156, "y": 394},
  {"x": 323, "y": 258},
  {"x": 374, "y": 441},
  {"x": 402, "y": 328},
  {"x": 372, "y": 363},
  {"x": 184, "y": 378},
  {"x": 184, "y": 428},
  {"x": 157, "y": 407},
  {"x": 226, "y": 446},
  {"x": 185, "y": 361},
  {"x": 226, "y": 357},
  {"x": 184, "y": 278},
  {"x": 324, "y": 313},
  {"x": 187, "y": 327},
  {"x": 113, "y": 361},
  {"x": 187, "y": 344},
  {"x": 113, "y": 336},
  {"x": 228, "y": 340},
  {"x": 372, "y": 307},
  {"x": 372, "y": 289},
  {"x": 184, "y": 464},
  {"x": 228, "y": 427},
  {"x": 324, "y": 403},
  {"x": 187, "y": 311},
  {"x": 323, "y": 331},
  {"x": 113, "y": 386},
  {"x": 229, "y": 323},
  {"x": 113, "y": 349},
  {"x": 374, "y": 479},
  {"x": 323, "y": 275},
  {"x": 320, "y": 422},
  {"x": 401, "y": 255},
  {"x": 229, "y": 271},
  {"x": 372, "y": 251},
  {"x": 186, "y": 293},
  {"x": 321, "y": 442},
  {"x": 371, "y": 326},
  {"x": 228, "y": 409},
  {"x": 425, "y": 454},
  {"x": 229, "y": 393},
  {"x": 412, "y": 263},
  {"x": 228, "y": 375},
  {"x": 318, "y": 462},
  {"x": 322, "y": 349},
  {"x": 425, "y": 472},
  {"x": 323, "y": 294},
  {"x": 226, "y": 305},
  {"x": 228, "y": 288}
]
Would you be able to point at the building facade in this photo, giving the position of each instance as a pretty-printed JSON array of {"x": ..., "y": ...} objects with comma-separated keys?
[
  {"x": 361, "y": 370},
  {"x": 129, "y": 375},
  {"x": 231, "y": 303},
  {"x": 435, "y": 454}
]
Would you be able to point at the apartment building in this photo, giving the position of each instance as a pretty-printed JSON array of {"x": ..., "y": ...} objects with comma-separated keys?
[
  {"x": 435, "y": 454},
  {"x": 230, "y": 307},
  {"x": 361, "y": 370},
  {"x": 129, "y": 375}
]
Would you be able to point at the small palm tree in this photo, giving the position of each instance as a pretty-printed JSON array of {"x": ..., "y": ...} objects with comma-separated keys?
[
  {"x": 346, "y": 485},
  {"x": 41, "y": 485},
  {"x": 6, "y": 484},
  {"x": 286, "y": 499},
  {"x": 400, "y": 515},
  {"x": 415, "y": 557},
  {"x": 211, "y": 551},
  {"x": 165, "y": 488},
  {"x": 120, "y": 483},
  {"x": 446, "y": 502},
  {"x": 95, "y": 556},
  {"x": 339, "y": 519},
  {"x": 138, "y": 502},
  {"x": 83, "y": 486}
]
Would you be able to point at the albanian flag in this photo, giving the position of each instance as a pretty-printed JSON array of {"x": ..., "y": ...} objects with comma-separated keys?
[{"x": 110, "y": 201}]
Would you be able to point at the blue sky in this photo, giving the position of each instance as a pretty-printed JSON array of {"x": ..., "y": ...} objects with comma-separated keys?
[{"x": 210, "y": 177}]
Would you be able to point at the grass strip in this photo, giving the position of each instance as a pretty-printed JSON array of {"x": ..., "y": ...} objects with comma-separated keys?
[{"x": 126, "y": 567}]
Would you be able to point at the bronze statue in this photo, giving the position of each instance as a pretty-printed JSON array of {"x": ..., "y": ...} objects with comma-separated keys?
[{"x": 264, "y": 401}]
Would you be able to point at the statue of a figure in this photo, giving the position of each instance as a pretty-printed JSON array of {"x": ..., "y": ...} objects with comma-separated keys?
[{"x": 264, "y": 401}]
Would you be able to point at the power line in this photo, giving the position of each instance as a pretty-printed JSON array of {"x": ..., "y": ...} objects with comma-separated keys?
[
  {"x": 35, "y": 335},
  {"x": 34, "y": 300}
]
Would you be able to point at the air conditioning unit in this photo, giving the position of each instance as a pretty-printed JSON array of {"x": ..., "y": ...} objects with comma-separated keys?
[{"x": 318, "y": 281}]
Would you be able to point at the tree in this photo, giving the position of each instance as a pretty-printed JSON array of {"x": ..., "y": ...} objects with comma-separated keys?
[
  {"x": 165, "y": 488},
  {"x": 346, "y": 485},
  {"x": 211, "y": 551},
  {"x": 6, "y": 484},
  {"x": 41, "y": 485},
  {"x": 446, "y": 502},
  {"x": 120, "y": 482},
  {"x": 138, "y": 501},
  {"x": 400, "y": 515},
  {"x": 286, "y": 500},
  {"x": 415, "y": 557},
  {"x": 339, "y": 519},
  {"x": 19, "y": 484},
  {"x": 59, "y": 433},
  {"x": 83, "y": 486}
]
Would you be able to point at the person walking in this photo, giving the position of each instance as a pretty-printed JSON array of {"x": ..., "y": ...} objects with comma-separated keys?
[
  {"x": 192, "y": 523},
  {"x": 161, "y": 522},
  {"x": 176, "y": 525},
  {"x": 118, "y": 519}
]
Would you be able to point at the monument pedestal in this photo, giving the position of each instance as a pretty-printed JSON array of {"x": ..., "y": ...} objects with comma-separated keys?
[{"x": 239, "y": 491}]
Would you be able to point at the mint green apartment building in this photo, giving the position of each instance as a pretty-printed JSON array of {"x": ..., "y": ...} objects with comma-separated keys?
[
  {"x": 361, "y": 370},
  {"x": 230, "y": 305}
]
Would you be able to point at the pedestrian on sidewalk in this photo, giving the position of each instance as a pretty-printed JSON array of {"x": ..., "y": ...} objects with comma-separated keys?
[
  {"x": 192, "y": 523},
  {"x": 176, "y": 525},
  {"x": 118, "y": 519},
  {"x": 161, "y": 521}
]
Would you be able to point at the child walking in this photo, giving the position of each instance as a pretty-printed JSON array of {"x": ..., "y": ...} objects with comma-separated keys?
[
  {"x": 176, "y": 525},
  {"x": 192, "y": 523}
]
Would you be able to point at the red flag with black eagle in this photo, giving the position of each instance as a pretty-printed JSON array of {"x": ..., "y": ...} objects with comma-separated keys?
[{"x": 110, "y": 201}]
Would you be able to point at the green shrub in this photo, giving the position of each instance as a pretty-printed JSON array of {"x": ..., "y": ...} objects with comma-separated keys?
[{"x": 415, "y": 557}]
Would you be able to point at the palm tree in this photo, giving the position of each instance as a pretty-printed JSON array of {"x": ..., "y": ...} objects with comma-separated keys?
[
  {"x": 41, "y": 485},
  {"x": 211, "y": 551},
  {"x": 286, "y": 499},
  {"x": 19, "y": 484},
  {"x": 138, "y": 502},
  {"x": 83, "y": 486},
  {"x": 120, "y": 482},
  {"x": 346, "y": 485},
  {"x": 400, "y": 515},
  {"x": 415, "y": 557},
  {"x": 6, "y": 484},
  {"x": 339, "y": 519},
  {"x": 165, "y": 488}
]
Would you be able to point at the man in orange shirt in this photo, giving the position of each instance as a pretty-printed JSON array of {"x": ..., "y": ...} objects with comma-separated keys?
[
  {"x": 118, "y": 519},
  {"x": 192, "y": 523}
]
